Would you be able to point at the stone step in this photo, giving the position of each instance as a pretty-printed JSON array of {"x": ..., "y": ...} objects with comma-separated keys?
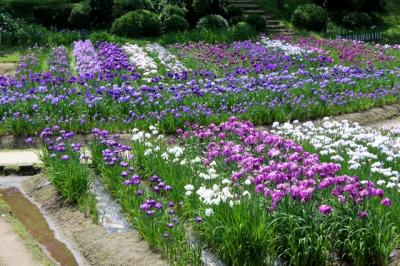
[
  {"x": 241, "y": 2},
  {"x": 249, "y": 6},
  {"x": 279, "y": 31},
  {"x": 276, "y": 26},
  {"x": 255, "y": 12},
  {"x": 273, "y": 22}
]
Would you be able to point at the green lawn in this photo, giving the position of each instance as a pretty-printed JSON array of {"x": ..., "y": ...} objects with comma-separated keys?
[{"x": 9, "y": 55}]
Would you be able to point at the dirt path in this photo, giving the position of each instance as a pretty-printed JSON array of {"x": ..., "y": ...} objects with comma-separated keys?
[
  {"x": 388, "y": 124},
  {"x": 7, "y": 69},
  {"x": 12, "y": 248}
]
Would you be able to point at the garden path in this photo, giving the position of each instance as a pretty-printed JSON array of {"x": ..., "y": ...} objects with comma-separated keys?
[
  {"x": 12, "y": 248},
  {"x": 7, "y": 68},
  {"x": 388, "y": 124}
]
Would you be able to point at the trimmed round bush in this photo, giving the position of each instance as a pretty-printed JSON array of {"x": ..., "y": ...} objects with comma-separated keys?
[
  {"x": 357, "y": 20},
  {"x": 79, "y": 17},
  {"x": 242, "y": 31},
  {"x": 139, "y": 23},
  {"x": 233, "y": 11},
  {"x": 170, "y": 10},
  {"x": 122, "y": 7},
  {"x": 174, "y": 23},
  {"x": 257, "y": 22},
  {"x": 212, "y": 22},
  {"x": 310, "y": 16}
]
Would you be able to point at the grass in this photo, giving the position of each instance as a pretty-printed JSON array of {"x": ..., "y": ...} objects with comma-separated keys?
[
  {"x": 10, "y": 54},
  {"x": 28, "y": 240}
]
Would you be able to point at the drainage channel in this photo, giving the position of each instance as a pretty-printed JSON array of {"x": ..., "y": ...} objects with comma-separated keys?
[
  {"x": 110, "y": 216},
  {"x": 33, "y": 220}
]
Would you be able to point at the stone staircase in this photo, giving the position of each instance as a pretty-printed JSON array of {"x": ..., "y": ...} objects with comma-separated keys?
[{"x": 249, "y": 7}]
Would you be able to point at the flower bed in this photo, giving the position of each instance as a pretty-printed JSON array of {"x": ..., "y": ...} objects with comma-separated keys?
[
  {"x": 252, "y": 197},
  {"x": 120, "y": 87}
]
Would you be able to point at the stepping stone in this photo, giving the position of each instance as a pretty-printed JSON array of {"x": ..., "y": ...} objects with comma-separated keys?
[
  {"x": 19, "y": 157},
  {"x": 21, "y": 162}
]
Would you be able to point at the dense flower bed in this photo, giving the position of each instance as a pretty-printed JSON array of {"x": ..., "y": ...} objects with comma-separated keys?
[
  {"x": 236, "y": 186},
  {"x": 132, "y": 86}
]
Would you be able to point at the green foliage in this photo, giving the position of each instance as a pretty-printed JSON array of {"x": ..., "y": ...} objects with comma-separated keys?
[
  {"x": 242, "y": 31},
  {"x": 205, "y": 7},
  {"x": 53, "y": 15},
  {"x": 201, "y": 35},
  {"x": 357, "y": 20},
  {"x": 73, "y": 184},
  {"x": 101, "y": 11},
  {"x": 170, "y": 10},
  {"x": 257, "y": 22},
  {"x": 17, "y": 31},
  {"x": 24, "y": 8},
  {"x": 310, "y": 16},
  {"x": 212, "y": 22},
  {"x": 202, "y": 7},
  {"x": 355, "y": 5},
  {"x": 80, "y": 16},
  {"x": 244, "y": 235},
  {"x": 233, "y": 11},
  {"x": 174, "y": 23},
  {"x": 139, "y": 23},
  {"x": 122, "y": 7}
]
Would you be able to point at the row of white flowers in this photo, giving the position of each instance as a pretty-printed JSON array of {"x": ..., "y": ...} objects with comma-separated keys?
[
  {"x": 138, "y": 56},
  {"x": 352, "y": 145},
  {"x": 166, "y": 58},
  {"x": 213, "y": 189},
  {"x": 287, "y": 48}
]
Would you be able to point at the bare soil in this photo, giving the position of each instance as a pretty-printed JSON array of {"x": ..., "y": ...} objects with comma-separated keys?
[
  {"x": 91, "y": 240},
  {"x": 8, "y": 69}
]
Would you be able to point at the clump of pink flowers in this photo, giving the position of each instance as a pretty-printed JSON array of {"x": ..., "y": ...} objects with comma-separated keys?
[{"x": 279, "y": 168}]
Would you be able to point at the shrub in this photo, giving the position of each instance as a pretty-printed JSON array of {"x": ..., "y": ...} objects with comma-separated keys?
[
  {"x": 212, "y": 22},
  {"x": 101, "y": 11},
  {"x": 139, "y": 23},
  {"x": 357, "y": 20},
  {"x": 354, "y": 5},
  {"x": 33, "y": 34},
  {"x": 233, "y": 11},
  {"x": 10, "y": 28},
  {"x": 175, "y": 23},
  {"x": 204, "y": 7},
  {"x": 80, "y": 16},
  {"x": 170, "y": 10},
  {"x": 201, "y": 7},
  {"x": 309, "y": 16},
  {"x": 236, "y": 20},
  {"x": 122, "y": 7},
  {"x": 242, "y": 31},
  {"x": 257, "y": 22},
  {"x": 53, "y": 15}
]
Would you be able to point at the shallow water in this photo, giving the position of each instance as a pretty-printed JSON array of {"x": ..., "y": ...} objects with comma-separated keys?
[
  {"x": 31, "y": 217},
  {"x": 110, "y": 216}
]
